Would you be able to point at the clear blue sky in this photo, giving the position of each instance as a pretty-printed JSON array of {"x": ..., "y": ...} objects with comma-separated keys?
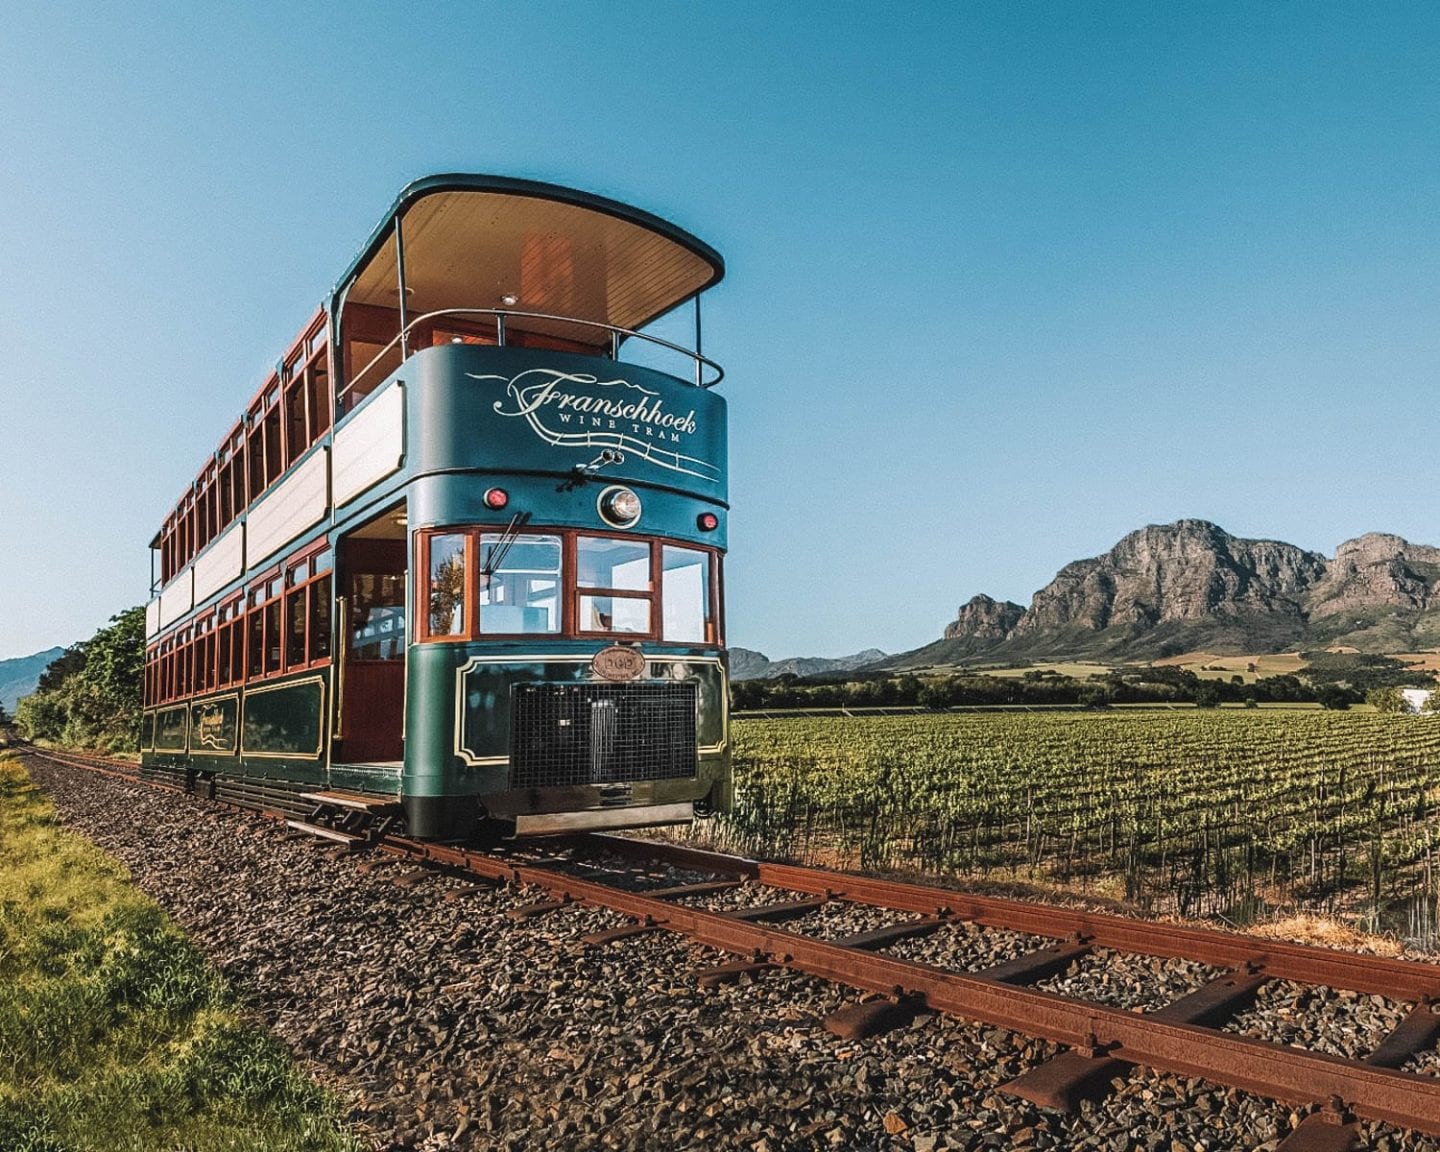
[{"x": 1005, "y": 280}]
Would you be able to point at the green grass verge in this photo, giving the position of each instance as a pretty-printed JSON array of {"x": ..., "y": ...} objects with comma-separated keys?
[{"x": 115, "y": 1034}]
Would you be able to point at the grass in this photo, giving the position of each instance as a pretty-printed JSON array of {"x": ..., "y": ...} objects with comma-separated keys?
[{"x": 115, "y": 1034}]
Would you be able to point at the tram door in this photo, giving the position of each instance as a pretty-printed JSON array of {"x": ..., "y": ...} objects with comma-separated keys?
[{"x": 371, "y": 564}]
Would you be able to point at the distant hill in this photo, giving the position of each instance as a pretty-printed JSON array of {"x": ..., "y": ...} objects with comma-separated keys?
[
  {"x": 1190, "y": 586},
  {"x": 19, "y": 675},
  {"x": 747, "y": 664}
]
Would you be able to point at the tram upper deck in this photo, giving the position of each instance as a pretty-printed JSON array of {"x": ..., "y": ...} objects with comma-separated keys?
[{"x": 477, "y": 262}]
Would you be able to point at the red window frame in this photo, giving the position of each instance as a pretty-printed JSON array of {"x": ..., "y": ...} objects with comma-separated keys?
[{"x": 570, "y": 591}]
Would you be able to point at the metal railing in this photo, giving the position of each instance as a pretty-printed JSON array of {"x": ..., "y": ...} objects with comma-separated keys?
[{"x": 501, "y": 315}]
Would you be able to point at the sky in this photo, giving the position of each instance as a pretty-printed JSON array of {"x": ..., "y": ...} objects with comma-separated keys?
[{"x": 1005, "y": 281}]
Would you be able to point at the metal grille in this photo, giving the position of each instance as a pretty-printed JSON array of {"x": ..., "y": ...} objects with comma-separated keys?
[{"x": 601, "y": 733}]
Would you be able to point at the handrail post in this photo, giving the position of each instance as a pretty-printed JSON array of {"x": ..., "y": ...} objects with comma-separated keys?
[
  {"x": 400, "y": 271},
  {"x": 614, "y": 344},
  {"x": 500, "y": 329},
  {"x": 699, "y": 351}
]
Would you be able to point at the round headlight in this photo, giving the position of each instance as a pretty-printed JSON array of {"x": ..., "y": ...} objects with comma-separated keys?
[{"x": 620, "y": 507}]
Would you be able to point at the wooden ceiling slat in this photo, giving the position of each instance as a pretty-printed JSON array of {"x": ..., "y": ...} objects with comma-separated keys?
[{"x": 467, "y": 249}]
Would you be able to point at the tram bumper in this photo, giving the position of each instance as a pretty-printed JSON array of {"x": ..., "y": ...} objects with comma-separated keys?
[{"x": 604, "y": 819}]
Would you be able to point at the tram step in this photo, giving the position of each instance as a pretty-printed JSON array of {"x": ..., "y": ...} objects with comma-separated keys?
[
  {"x": 326, "y": 833},
  {"x": 356, "y": 800}
]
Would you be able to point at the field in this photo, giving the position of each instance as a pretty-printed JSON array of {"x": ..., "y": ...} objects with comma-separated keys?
[
  {"x": 114, "y": 1032},
  {"x": 1195, "y": 812}
]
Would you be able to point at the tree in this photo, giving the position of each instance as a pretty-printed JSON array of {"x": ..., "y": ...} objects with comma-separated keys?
[
  {"x": 1209, "y": 695},
  {"x": 91, "y": 695},
  {"x": 1335, "y": 698},
  {"x": 1386, "y": 700}
]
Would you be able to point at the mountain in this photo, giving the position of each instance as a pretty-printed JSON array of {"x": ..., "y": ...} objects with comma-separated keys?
[
  {"x": 1191, "y": 586},
  {"x": 747, "y": 664},
  {"x": 19, "y": 675}
]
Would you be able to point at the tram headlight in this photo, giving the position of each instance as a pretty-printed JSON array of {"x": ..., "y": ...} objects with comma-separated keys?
[
  {"x": 707, "y": 521},
  {"x": 620, "y": 507},
  {"x": 496, "y": 498}
]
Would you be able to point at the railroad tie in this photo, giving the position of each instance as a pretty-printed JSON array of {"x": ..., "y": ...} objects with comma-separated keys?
[
  {"x": 1328, "y": 1130},
  {"x": 413, "y": 877},
  {"x": 528, "y": 911},
  {"x": 731, "y": 972},
  {"x": 614, "y": 935},
  {"x": 1064, "y": 1081}
]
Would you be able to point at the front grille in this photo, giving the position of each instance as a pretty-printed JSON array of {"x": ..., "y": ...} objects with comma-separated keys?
[{"x": 601, "y": 733}]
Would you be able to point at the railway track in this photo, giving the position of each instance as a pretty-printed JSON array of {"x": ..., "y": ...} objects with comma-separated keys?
[{"x": 1186, "y": 1036}]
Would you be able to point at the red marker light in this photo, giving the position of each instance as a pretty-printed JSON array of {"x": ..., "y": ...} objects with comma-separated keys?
[
  {"x": 708, "y": 521},
  {"x": 496, "y": 498}
]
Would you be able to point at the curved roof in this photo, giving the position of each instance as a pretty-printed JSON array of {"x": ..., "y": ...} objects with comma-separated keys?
[{"x": 471, "y": 240}]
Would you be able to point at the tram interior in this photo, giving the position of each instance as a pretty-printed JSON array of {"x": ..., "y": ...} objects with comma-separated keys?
[{"x": 372, "y": 563}]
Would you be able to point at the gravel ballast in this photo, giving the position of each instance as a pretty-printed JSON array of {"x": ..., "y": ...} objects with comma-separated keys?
[{"x": 447, "y": 1024}]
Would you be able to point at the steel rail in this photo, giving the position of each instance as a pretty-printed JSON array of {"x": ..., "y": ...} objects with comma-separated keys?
[
  {"x": 1352, "y": 971},
  {"x": 1293, "y": 1075}
]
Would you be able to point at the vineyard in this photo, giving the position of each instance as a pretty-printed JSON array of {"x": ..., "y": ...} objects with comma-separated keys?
[{"x": 1194, "y": 812}]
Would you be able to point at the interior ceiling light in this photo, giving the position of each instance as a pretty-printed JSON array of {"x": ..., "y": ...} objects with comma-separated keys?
[{"x": 509, "y": 299}]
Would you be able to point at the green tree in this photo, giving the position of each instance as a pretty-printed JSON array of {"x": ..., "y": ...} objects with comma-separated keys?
[
  {"x": 1335, "y": 698},
  {"x": 1386, "y": 700},
  {"x": 91, "y": 695},
  {"x": 1209, "y": 695}
]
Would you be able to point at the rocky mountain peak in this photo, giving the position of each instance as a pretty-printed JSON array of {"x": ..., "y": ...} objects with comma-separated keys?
[{"x": 983, "y": 618}]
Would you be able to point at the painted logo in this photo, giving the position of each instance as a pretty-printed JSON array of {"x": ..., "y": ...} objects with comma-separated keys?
[
  {"x": 210, "y": 729},
  {"x": 618, "y": 662},
  {"x": 577, "y": 410}
]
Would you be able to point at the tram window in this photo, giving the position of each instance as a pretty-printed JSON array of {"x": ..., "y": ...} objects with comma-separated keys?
[
  {"x": 609, "y": 562},
  {"x": 295, "y": 619},
  {"x": 377, "y": 617},
  {"x": 273, "y": 464},
  {"x": 296, "y": 434},
  {"x": 222, "y": 644},
  {"x": 271, "y": 612},
  {"x": 685, "y": 596},
  {"x": 320, "y": 619},
  {"x": 255, "y": 456},
  {"x": 318, "y": 379},
  {"x": 227, "y": 494},
  {"x": 614, "y": 614},
  {"x": 255, "y": 644},
  {"x": 237, "y": 650},
  {"x": 446, "y": 609},
  {"x": 522, "y": 593}
]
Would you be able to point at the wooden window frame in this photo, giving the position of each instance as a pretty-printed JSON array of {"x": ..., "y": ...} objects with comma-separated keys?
[
  {"x": 576, "y": 592},
  {"x": 423, "y": 541},
  {"x": 306, "y": 589},
  {"x": 570, "y": 590}
]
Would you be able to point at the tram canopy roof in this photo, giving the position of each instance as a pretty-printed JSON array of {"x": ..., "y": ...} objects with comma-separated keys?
[{"x": 475, "y": 241}]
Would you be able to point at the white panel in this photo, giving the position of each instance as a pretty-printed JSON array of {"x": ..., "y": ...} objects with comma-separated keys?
[
  {"x": 298, "y": 504},
  {"x": 178, "y": 597},
  {"x": 152, "y": 617},
  {"x": 223, "y": 562},
  {"x": 371, "y": 446}
]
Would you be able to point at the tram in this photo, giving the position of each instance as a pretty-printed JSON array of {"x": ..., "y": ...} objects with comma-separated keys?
[{"x": 461, "y": 559}]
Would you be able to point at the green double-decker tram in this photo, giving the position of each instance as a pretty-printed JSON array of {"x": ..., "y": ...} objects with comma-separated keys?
[{"x": 462, "y": 557}]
